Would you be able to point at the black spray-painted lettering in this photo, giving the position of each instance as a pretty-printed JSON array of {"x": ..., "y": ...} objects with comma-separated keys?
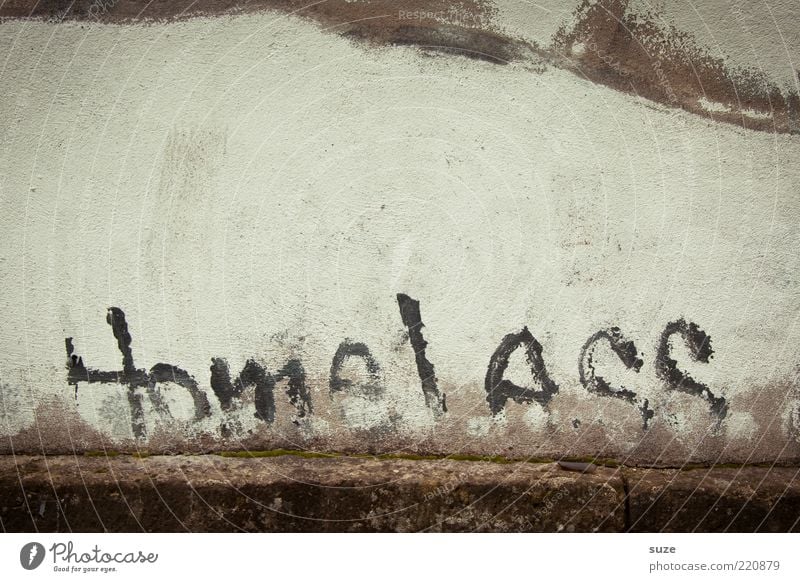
[
  {"x": 255, "y": 375},
  {"x": 229, "y": 391},
  {"x": 699, "y": 344},
  {"x": 349, "y": 349},
  {"x": 135, "y": 378},
  {"x": 499, "y": 390},
  {"x": 412, "y": 319},
  {"x": 628, "y": 354}
]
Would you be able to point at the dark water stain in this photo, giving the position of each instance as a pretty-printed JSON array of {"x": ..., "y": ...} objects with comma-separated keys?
[{"x": 453, "y": 40}]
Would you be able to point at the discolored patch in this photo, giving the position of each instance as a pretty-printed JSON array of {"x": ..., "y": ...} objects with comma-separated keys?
[
  {"x": 628, "y": 51},
  {"x": 606, "y": 42},
  {"x": 434, "y": 25}
]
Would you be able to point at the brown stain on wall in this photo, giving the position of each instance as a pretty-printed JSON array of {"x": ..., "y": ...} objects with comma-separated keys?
[
  {"x": 57, "y": 428},
  {"x": 631, "y": 53},
  {"x": 623, "y": 50},
  {"x": 436, "y": 25}
]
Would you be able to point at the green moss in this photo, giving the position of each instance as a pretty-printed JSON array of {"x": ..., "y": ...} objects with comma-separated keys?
[
  {"x": 603, "y": 462},
  {"x": 495, "y": 459},
  {"x": 408, "y": 457},
  {"x": 101, "y": 454},
  {"x": 414, "y": 457},
  {"x": 276, "y": 453}
]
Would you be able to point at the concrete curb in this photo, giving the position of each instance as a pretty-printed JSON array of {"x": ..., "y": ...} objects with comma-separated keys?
[{"x": 210, "y": 493}]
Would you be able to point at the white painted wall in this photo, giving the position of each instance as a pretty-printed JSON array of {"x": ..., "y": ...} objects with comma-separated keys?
[{"x": 248, "y": 187}]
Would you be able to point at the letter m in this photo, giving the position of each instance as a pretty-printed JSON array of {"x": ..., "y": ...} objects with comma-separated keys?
[{"x": 253, "y": 374}]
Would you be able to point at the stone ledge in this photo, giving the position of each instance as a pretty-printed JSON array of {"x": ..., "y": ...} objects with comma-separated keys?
[
  {"x": 209, "y": 493},
  {"x": 746, "y": 499}
]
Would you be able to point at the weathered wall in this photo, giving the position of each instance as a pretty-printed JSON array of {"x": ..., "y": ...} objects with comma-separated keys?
[
  {"x": 216, "y": 229},
  {"x": 288, "y": 494}
]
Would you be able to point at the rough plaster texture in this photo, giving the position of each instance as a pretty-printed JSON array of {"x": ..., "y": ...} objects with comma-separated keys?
[
  {"x": 252, "y": 187},
  {"x": 759, "y": 35}
]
